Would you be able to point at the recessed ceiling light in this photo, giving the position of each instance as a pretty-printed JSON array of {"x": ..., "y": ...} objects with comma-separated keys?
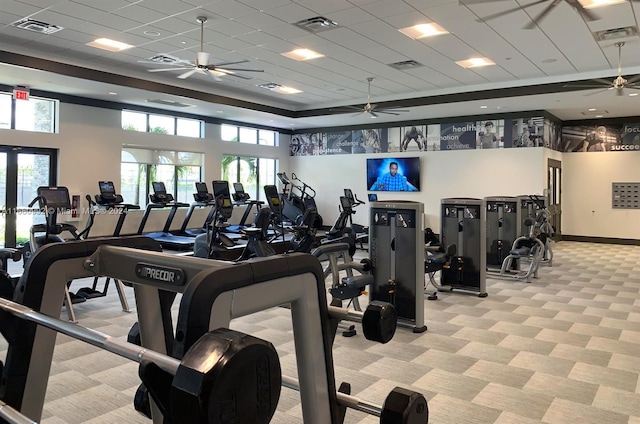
[
  {"x": 592, "y": 4},
  {"x": 152, "y": 33},
  {"x": 475, "y": 62},
  {"x": 633, "y": 94},
  {"x": 219, "y": 111},
  {"x": 483, "y": 107},
  {"x": 279, "y": 88},
  {"x": 598, "y": 116},
  {"x": 113, "y": 93},
  {"x": 423, "y": 30},
  {"x": 110, "y": 45},
  {"x": 591, "y": 110},
  {"x": 302, "y": 54}
]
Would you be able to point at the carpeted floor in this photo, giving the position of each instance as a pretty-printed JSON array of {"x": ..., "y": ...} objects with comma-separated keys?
[{"x": 562, "y": 349}]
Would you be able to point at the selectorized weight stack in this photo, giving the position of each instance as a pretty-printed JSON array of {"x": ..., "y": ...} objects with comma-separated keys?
[
  {"x": 463, "y": 225},
  {"x": 503, "y": 227},
  {"x": 396, "y": 246}
]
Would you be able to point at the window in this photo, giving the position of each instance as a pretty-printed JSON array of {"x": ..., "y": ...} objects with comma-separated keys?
[
  {"x": 179, "y": 171},
  {"x": 253, "y": 173},
  {"x": 36, "y": 114},
  {"x": 161, "y": 124},
  {"x": 248, "y": 135}
]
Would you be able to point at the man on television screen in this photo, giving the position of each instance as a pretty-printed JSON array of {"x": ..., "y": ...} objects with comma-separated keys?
[{"x": 392, "y": 181}]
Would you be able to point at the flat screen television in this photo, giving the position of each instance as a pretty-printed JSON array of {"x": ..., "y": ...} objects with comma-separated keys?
[{"x": 393, "y": 174}]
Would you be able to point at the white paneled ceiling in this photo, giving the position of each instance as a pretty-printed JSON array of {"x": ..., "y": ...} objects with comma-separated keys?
[{"x": 559, "y": 49}]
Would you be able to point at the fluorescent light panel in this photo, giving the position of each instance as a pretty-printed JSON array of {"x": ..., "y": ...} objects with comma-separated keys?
[
  {"x": 592, "y": 4},
  {"x": 423, "y": 30},
  {"x": 110, "y": 45},
  {"x": 475, "y": 62},
  {"x": 287, "y": 90},
  {"x": 302, "y": 54}
]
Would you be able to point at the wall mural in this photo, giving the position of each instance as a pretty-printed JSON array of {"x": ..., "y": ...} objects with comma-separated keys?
[
  {"x": 600, "y": 138},
  {"x": 531, "y": 131}
]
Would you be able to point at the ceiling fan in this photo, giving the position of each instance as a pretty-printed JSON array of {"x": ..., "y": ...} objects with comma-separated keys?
[
  {"x": 201, "y": 64},
  {"x": 618, "y": 84},
  {"x": 373, "y": 110},
  {"x": 585, "y": 13}
]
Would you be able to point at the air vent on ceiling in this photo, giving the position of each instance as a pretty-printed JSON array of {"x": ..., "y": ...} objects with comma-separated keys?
[
  {"x": 163, "y": 58},
  {"x": 36, "y": 26},
  {"x": 169, "y": 103},
  {"x": 404, "y": 65},
  {"x": 317, "y": 24},
  {"x": 269, "y": 85},
  {"x": 615, "y": 33}
]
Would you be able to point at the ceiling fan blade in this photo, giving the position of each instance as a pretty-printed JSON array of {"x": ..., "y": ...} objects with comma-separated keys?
[
  {"x": 223, "y": 69},
  {"x": 214, "y": 77},
  {"x": 387, "y": 112},
  {"x": 588, "y": 85},
  {"x": 536, "y": 20},
  {"x": 506, "y": 12},
  {"x": 168, "y": 69},
  {"x": 358, "y": 114},
  {"x": 233, "y": 74},
  {"x": 587, "y": 14},
  {"x": 373, "y": 114},
  {"x": 221, "y": 65},
  {"x": 188, "y": 73},
  {"x": 599, "y": 91},
  {"x": 394, "y": 109},
  {"x": 633, "y": 79}
]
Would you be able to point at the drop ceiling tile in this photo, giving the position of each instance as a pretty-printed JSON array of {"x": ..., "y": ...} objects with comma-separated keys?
[
  {"x": 291, "y": 13},
  {"x": 75, "y": 9},
  {"x": 286, "y": 31},
  {"x": 325, "y": 6},
  {"x": 408, "y": 19},
  {"x": 21, "y": 9},
  {"x": 166, "y": 7},
  {"x": 58, "y": 19},
  {"x": 615, "y": 16},
  {"x": 260, "y": 21},
  {"x": 141, "y": 15},
  {"x": 41, "y": 4},
  {"x": 231, "y": 9},
  {"x": 266, "y": 4},
  {"x": 378, "y": 30},
  {"x": 382, "y": 54},
  {"x": 351, "y": 16},
  {"x": 230, "y": 28},
  {"x": 385, "y": 8}
]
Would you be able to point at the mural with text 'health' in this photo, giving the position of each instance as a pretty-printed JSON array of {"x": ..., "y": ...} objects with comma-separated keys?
[{"x": 487, "y": 134}]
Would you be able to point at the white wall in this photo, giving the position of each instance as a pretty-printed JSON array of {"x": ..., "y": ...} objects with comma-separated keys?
[
  {"x": 472, "y": 173},
  {"x": 586, "y": 194},
  {"x": 90, "y": 141}
]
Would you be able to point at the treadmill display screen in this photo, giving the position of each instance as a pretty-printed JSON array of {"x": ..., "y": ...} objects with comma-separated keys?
[
  {"x": 201, "y": 188},
  {"x": 158, "y": 188},
  {"x": 107, "y": 187},
  {"x": 55, "y": 197}
]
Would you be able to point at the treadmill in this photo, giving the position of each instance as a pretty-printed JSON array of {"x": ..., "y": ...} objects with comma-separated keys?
[
  {"x": 108, "y": 199},
  {"x": 160, "y": 199},
  {"x": 202, "y": 199},
  {"x": 242, "y": 198}
]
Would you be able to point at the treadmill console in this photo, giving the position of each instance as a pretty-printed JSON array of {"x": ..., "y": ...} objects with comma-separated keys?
[
  {"x": 240, "y": 195},
  {"x": 160, "y": 194},
  {"x": 56, "y": 198},
  {"x": 202, "y": 195},
  {"x": 107, "y": 194}
]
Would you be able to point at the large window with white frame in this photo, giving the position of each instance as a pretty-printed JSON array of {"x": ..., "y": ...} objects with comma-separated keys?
[
  {"x": 179, "y": 171},
  {"x": 248, "y": 135},
  {"x": 36, "y": 114},
  {"x": 162, "y": 124},
  {"x": 254, "y": 173}
]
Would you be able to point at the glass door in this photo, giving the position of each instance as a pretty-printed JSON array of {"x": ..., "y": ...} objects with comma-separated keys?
[{"x": 22, "y": 171}]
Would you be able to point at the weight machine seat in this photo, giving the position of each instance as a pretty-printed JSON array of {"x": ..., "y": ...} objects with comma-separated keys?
[
  {"x": 358, "y": 280},
  {"x": 520, "y": 252}
]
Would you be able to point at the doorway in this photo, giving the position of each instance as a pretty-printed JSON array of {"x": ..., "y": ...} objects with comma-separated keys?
[
  {"x": 554, "y": 196},
  {"x": 22, "y": 171}
]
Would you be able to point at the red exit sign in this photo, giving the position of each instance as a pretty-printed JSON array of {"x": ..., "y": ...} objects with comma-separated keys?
[{"x": 21, "y": 93}]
